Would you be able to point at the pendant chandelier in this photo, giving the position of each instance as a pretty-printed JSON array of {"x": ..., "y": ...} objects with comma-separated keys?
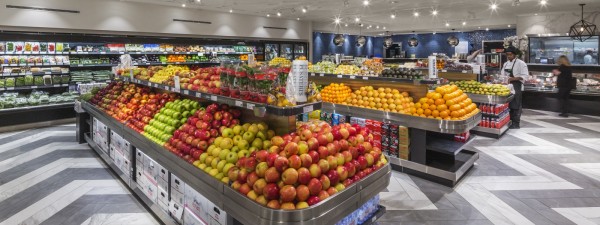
[
  {"x": 388, "y": 41},
  {"x": 338, "y": 39},
  {"x": 413, "y": 42},
  {"x": 361, "y": 40},
  {"x": 582, "y": 30}
]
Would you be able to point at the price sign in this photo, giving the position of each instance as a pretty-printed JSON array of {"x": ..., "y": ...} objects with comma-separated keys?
[
  {"x": 321, "y": 75},
  {"x": 352, "y": 77},
  {"x": 365, "y": 78},
  {"x": 10, "y": 88},
  {"x": 250, "y": 106},
  {"x": 213, "y": 98},
  {"x": 339, "y": 76},
  {"x": 186, "y": 92},
  {"x": 177, "y": 87},
  {"x": 239, "y": 103},
  {"x": 443, "y": 71},
  {"x": 312, "y": 74},
  {"x": 198, "y": 94},
  {"x": 102, "y": 53},
  {"x": 57, "y": 85},
  {"x": 307, "y": 109},
  {"x": 34, "y": 87}
]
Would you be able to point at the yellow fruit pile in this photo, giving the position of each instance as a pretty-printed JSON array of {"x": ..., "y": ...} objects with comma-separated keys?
[
  {"x": 166, "y": 73},
  {"x": 280, "y": 61},
  {"x": 335, "y": 93},
  {"x": 447, "y": 103},
  {"x": 385, "y": 99}
]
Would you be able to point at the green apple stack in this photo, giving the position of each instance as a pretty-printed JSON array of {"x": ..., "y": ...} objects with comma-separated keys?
[
  {"x": 168, "y": 119},
  {"x": 482, "y": 89}
]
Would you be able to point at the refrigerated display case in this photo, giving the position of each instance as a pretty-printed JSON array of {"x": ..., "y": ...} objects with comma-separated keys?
[
  {"x": 271, "y": 51},
  {"x": 300, "y": 50},
  {"x": 546, "y": 50},
  {"x": 286, "y": 51}
]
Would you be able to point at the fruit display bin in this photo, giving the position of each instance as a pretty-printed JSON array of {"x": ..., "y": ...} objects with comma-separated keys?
[
  {"x": 490, "y": 99},
  {"x": 242, "y": 209},
  {"x": 259, "y": 109},
  {"x": 433, "y": 157}
]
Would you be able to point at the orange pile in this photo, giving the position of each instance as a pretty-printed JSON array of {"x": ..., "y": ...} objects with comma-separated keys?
[
  {"x": 385, "y": 99},
  {"x": 447, "y": 103},
  {"x": 335, "y": 93}
]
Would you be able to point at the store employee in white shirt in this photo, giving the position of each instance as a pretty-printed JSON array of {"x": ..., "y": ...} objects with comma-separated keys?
[{"x": 517, "y": 72}]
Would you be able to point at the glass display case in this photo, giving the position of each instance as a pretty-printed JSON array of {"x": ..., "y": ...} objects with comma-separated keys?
[
  {"x": 287, "y": 51},
  {"x": 546, "y": 50},
  {"x": 587, "y": 83}
]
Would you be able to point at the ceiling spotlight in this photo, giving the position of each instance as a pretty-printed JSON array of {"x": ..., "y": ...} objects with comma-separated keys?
[
  {"x": 337, "y": 20},
  {"x": 494, "y": 6},
  {"x": 543, "y": 2},
  {"x": 434, "y": 32},
  {"x": 345, "y": 25},
  {"x": 434, "y": 12},
  {"x": 366, "y": 2},
  {"x": 393, "y": 16},
  {"x": 378, "y": 27},
  {"x": 231, "y": 10},
  {"x": 198, "y": 0},
  {"x": 464, "y": 23},
  {"x": 478, "y": 27},
  {"x": 346, "y": 3},
  {"x": 357, "y": 19},
  {"x": 535, "y": 14},
  {"x": 279, "y": 14},
  {"x": 183, "y": 5},
  {"x": 487, "y": 29},
  {"x": 268, "y": 15},
  {"x": 298, "y": 18},
  {"x": 384, "y": 28},
  {"x": 361, "y": 25},
  {"x": 447, "y": 24},
  {"x": 416, "y": 14},
  {"x": 369, "y": 27},
  {"x": 509, "y": 25},
  {"x": 304, "y": 10}
]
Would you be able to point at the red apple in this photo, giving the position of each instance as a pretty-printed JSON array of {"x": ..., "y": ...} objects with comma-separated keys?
[
  {"x": 370, "y": 159},
  {"x": 315, "y": 186},
  {"x": 333, "y": 176},
  {"x": 277, "y": 141},
  {"x": 325, "y": 181},
  {"x": 243, "y": 176},
  {"x": 314, "y": 155},
  {"x": 331, "y": 191},
  {"x": 342, "y": 172},
  {"x": 281, "y": 163},
  {"x": 323, "y": 195},
  {"x": 271, "y": 159},
  {"x": 315, "y": 171},
  {"x": 261, "y": 169},
  {"x": 244, "y": 189},
  {"x": 322, "y": 140},
  {"x": 312, "y": 200},
  {"x": 350, "y": 168},
  {"x": 295, "y": 161},
  {"x": 345, "y": 133},
  {"x": 287, "y": 193},
  {"x": 306, "y": 134},
  {"x": 271, "y": 175},
  {"x": 290, "y": 176},
  {"x": 304, "y": 175},
  {"x": 258, "y": 186},
  {"x": 233, "y": 174},
  {"x": 288, "y": 206},
  {"x": 332, "y": 160},
  {"x": 362, "y": 160},
  {"x": 323, "y": 152},
  {"x": 274, "y": 204},
  {"x": 252, "y": 177},
  {"x": 336, "y": 134},
  {"x": 302, "y": 193},
  {"x": 313, "y": 144},
  {"x": 262, "y": 155},
  {"x": 306, "y": 160},
  {"x": 324, "y": 165},
  {"x": 348, "y": 182}
]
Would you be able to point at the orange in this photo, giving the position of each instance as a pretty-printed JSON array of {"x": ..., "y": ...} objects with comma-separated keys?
[
  {"x": 423, "y": 100},
  {"x": 427, "y": 112},
  {"x": 425, "y": 106},
  {"x": 413, "y": 110},
  {"x": 440, "y": 101},
  {"x": 450, "y": 102},
  {"x": 435, "y": 113},
  {"x": 418, "y": 105},
  {"x": 462, "y": 112},
  {"x": 429, "y": 94},
  {"x": 432, "y": 107},
  {"x": 444, "y": 114},
  {"x": 454, "y": 114},
  {"x": 419, "y": 111},
  {"x": 405, "y": 94},
  {"x": 454, "y": 107},
  {"x": 442, "y": 107},
  {"x": 440, "y": 90},
  {"x": 430, "y": 101}
]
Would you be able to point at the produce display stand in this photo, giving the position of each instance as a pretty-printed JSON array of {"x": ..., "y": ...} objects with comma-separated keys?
[
  {"x": 491, "y": 100},
  {"x": 433, "y": 157},
  {"x": 239, "y": 208},
  {"x": 373, "y": 78}
]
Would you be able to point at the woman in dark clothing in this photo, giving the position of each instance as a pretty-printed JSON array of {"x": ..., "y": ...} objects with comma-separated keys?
[{"x": 565, "y": 76}]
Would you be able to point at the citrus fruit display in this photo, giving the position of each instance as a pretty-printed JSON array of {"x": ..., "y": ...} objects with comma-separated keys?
[
  {"x": 385, "y": 99},
  {"x": 446, "y": 102},
  {"x": 336, "y": 93}
]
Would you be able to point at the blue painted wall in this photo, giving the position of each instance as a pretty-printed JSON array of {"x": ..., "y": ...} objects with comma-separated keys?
[
  {"x": 323, "y": 44},
  {"x": 428, "y": 43}
]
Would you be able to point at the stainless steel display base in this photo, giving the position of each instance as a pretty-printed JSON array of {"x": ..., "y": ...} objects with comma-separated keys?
[
  {"x": 490, "y": 99},
  {"x": 491, "y": 132},
  {"x": 239, "y": 207}
]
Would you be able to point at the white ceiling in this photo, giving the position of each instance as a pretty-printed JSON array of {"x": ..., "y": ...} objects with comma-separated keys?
[{"x": 476, "y": 13}]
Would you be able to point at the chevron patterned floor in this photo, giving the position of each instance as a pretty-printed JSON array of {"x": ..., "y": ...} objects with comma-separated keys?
[{"x": 548, "y": 172}]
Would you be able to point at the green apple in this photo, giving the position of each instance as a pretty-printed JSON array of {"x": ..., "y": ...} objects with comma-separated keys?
[
  {"x": 232, "y": 157},
  {"x": 246, "y": 126},
  {"x": 215, "y": 152},
  {"x": 210, "y": 148},
  {"x": 236, "y": 139},
  {"x": 227, "y": 143},
  {"x": 225, "y": 180},
  {"x": 229, "y": 165},
  {"x": 243, "y": 144},
  {"x": 262, "y": 135},
  {"x": 203, "y": 157},
  {"x": 215, "y": 162},
  {"x": 262, "y": 126},
  {"x": 253, "y": 149},
  {"x": 228, "y": 133},
  {"x": 257, "y": 143},
  {"x": 207, "y": 169},
  {"x": 221, "y": 164},
  {"x": 253, "y": 128},
  {"x": 217, "y": 141},
  {"x": 202, "y": 166},
  {"x": 243, "y": 153},
  {"x": 270, "y": 134},
  {"x": 209, "y": 160},
  {"x": 249, "y": 136},
  {"x": 266, "y": 144},
  {"x": 223, "y": 154},
  {"x": 219, "y": 176},
  {"x": 213, "y": 172},
  {"x": 235, "y": 149},
  {"x": 237, "y": 129},
  {"x": 339, "y": 187},
  {"x": 176, "y": 115}
]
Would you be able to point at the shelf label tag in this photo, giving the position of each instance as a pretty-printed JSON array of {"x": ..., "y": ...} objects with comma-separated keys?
[
  {"x": 57, "y": 85},
  {"x": 365, "y": 78},
  {"x": 464, "y": 71},
  {"x": 443, "y": 71},
  {"x": 239, "y": 103},
  {"x": 198, "y": 94},
  {"x": 250, "y": 106},
  {"x": 177, "y": 87},
  {"x": 312, "y": 74},
  {"x": 47, "y": 72},
  {"x": 10, "y": 88},
  {"x": 213, "y": 98},
  {"x": 340, "y": 76},
  {"x": 352, "y": 77},
  {"x": 186, "y": 92},
  {"x": 200, "y": 54},
  {"x": 34, "y": 87},
  {"x": 102, "y": 53},
  {"x": 321, "y": 75},
  {"x": 175, "y": 210},
  {"x": 307, "y": 109}
]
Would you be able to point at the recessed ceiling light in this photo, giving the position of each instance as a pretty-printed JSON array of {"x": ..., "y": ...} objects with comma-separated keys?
[
  {"x": 345, "y": 25},
  {"x": 535, "y": 14},
  {"x": 416, "y": 14},
  {"x": 434, "y": 12},
  {"x": 543, "y": 2},
  {"x": 298, "y": 18},
  {"x": 487, "y": 29},
  {"x": 361, "y": 25},
  {"x": 369, "y": 27},
  {"x": 357, "y": 19},
  {"x": 304, "y": 10},
  {"x": 478, "y": 27},
  {"x": 366, "y": 2},
  {"x": 384, "y": 28},
  {"x": 509, "y": 25},
  {"x": 183, "y": 5},
  {"x": 231, "y": 10},
  {"x": 434, "y": 32},
  {"x": 393, "y": 16},
  {"x": 377, "y": 27},
  {"x": 278, "y": 13},
  {"x": 337, "y": 20},
  {"x": 268, "y": 15},
  {"x": 447, "y": 24},
  {"x": 464, "y": 23},
  {"x": 198, "y": 0},
  {"x": 494, "y": 6}
]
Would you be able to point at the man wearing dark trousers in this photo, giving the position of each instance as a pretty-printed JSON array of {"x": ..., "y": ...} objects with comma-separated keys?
[{"x": 517, "y": 72}]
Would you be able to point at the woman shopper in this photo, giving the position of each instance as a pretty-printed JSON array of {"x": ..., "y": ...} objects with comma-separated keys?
[{"x": 564, "y": 83}]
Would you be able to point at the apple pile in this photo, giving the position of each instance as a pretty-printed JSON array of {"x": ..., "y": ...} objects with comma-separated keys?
[
  {"x": 149, "y": 106},
  {"x": 202, "y": 129},
  {"x": 169, "y": 118},
  {"x": 306, "y": 167},
  {"x": 120, "y": 100},
  {"x": 238, "y": 141},
  {"x": 205, "y": 80}
]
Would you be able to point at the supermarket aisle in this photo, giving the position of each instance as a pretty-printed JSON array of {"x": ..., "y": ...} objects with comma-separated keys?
[
  {"x": 548, "y": 172},
  {"x": 47, "y": 178}
]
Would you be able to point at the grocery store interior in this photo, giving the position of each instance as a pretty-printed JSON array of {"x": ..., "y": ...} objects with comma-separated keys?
[{"x": 267, "y": 112}]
